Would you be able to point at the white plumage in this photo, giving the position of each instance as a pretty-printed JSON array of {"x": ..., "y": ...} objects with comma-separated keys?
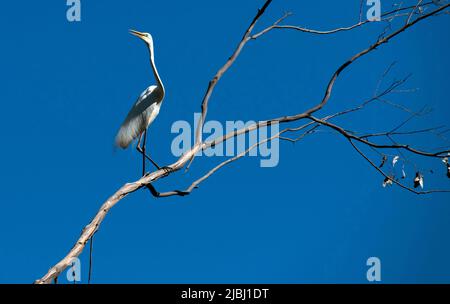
[
  {"x": 141, "y": 115},
  {"x": 145, "y": 109}
]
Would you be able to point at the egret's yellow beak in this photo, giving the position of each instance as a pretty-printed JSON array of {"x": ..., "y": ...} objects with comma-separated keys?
[{"x": 137, "y": 34}]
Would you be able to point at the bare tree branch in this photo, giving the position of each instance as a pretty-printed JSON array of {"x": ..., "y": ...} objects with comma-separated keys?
[
  {"x": 212, "y": 83},
  {"x": 388, "y": 16},
  {"x": 125, "y": 190},
  {"x": 390, "y": 177},
  {"x": 439, "y": 154},
  {"x": 311, "y": 122}
]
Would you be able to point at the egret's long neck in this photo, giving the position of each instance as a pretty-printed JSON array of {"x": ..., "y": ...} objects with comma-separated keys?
[{"x": 155, "y": 71}]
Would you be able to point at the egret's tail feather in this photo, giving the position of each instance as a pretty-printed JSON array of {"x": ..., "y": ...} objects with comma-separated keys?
[
  {"x": 123, "y": 138},
  {"x": 127, "y": 133},
  {"x": 135, "y": 123}
]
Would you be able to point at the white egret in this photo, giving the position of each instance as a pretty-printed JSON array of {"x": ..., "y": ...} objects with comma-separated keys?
[{"x": 145, "y": 109}]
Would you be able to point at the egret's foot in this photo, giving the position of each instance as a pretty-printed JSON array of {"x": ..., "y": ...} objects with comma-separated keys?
[{"x": 167, "y": 170}]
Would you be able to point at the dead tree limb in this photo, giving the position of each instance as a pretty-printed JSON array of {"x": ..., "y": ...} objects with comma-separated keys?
[{"x": 310, "y": 124}]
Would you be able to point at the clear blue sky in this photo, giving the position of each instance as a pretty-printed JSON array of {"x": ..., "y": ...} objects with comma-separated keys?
[{"x": 316, "y": 217}]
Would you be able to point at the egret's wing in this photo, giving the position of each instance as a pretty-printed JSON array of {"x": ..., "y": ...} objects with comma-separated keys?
[{"x": 139, "y": 117}]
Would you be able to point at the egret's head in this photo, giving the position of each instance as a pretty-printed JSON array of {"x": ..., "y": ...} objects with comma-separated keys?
[{"x": 144, "y": 36}]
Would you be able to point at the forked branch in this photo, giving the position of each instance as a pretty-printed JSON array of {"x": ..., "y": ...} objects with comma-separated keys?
[{"x": 310, "y": 124}]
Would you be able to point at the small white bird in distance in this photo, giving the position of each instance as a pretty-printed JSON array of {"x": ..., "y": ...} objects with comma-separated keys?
[{"x": 144, "y": 110}]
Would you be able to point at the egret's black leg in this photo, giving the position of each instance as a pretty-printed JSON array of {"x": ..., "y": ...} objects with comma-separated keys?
[
  {"x": 144, "y": 155},
  {"x": 138, "y": 147},
  {"x": 143, "y": 152},
  {"x": 153, "y": 162}
]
